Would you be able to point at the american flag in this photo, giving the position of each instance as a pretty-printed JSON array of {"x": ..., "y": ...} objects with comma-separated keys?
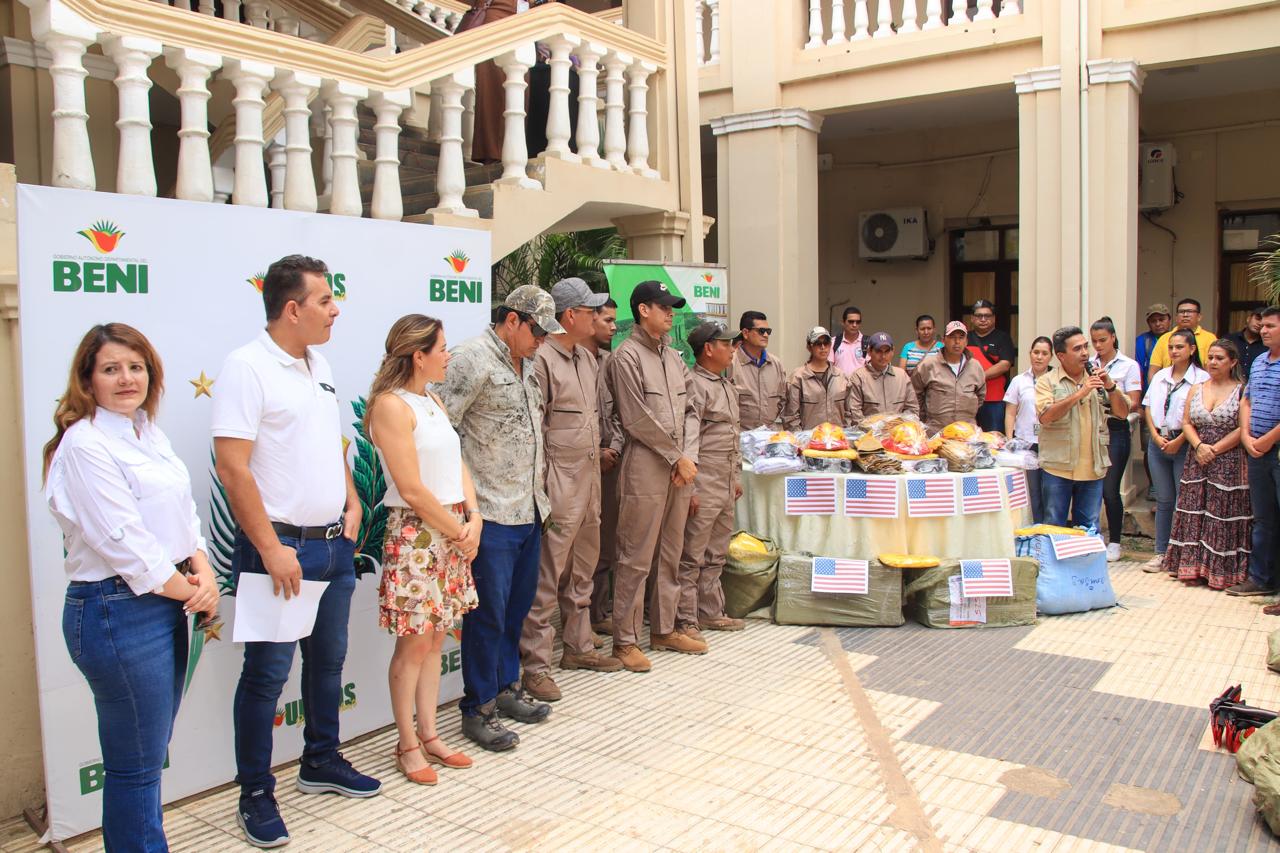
[
  {"x": 980, "y": 493},
  {"x": 871, "y": 497},
  {"x": 986, "y": 578},
  {"x": 1066, "y": 546},
  {"x": 1016, "y": 485},
  {"x": 811, "y": 496},
  {"x": 931, "y": 496},
  {"x": 834, "y": 575}
]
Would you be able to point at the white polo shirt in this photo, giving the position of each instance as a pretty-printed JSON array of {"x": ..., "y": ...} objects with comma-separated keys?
[{"x": 288, "y": 408}]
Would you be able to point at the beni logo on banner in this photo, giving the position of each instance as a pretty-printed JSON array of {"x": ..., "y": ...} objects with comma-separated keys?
[
  {"x": 337, "y": 283},
  {"x": 86, "y": 274},
  {"x": 456, "y": 289}
]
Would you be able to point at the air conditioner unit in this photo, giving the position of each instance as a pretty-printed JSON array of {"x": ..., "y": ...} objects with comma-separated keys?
[
  {"x": 899, "y": 232},
  {"x": 1155, "y": 175}
]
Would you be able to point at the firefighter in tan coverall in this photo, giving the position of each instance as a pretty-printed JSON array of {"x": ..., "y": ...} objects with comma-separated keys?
[
  {"x": 648, "y": 378},
  {"x": 600, "y": 343},
  {"x": 566, "y": 374},
  {"x": 717, "y": 486}
]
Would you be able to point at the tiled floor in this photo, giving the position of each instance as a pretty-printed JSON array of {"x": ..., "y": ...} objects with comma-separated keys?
[{"x": 1081, "y": 733}]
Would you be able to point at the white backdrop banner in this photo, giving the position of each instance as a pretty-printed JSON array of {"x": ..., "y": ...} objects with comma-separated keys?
[{"x": 188, "y": 275}]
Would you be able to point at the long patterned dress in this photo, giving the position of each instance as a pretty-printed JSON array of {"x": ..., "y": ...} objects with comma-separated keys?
[{"x": 1213, "y": 521}]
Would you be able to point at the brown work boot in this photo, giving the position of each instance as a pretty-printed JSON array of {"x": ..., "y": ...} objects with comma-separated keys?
[
  {"x": 590, "y": 660},
  {"x": 689, "y": 629},
  {"x": 723, "y": 623},
  {"x": 631, "y": 658},
  {"x": 677, "y": 642},
  {"x": 541, "y": 686},
  {"x": 604, "y": 626},
  {"x": 597, "y": 641}
]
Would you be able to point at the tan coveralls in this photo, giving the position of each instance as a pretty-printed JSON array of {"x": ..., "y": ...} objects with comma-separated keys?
[
  {"x": 571, "y": 542},
  {"x": 760, "y": 389},
  {"x": 610, "y": 437},
  {"x": 707, "y": 532},
  {"x": 944, "y": 396},
  {"x": 815, "y": 398},
  {"x": 872, "y": 393},
  {"x": 648, "y": 378}
]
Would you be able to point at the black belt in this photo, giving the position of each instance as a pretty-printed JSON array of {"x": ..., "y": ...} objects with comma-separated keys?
[{"x": 320, "y": 531}]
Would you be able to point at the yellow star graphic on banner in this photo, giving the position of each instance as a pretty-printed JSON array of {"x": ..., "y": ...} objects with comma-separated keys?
[
  {"x": 203, "y": 385},
  {"x": 213, "y": 632}
]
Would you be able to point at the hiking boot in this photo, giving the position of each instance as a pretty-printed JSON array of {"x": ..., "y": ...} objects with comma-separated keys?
[
  {"x": 690, "y": 630},
  {"x": 723, "y": 623},
  {"x": 590, "y": 660},
  {"x": 605, "y": 626},
  {"x": 677, "y": 642},
  {"x": 483, "y": 729},
  {"x": 513, "y": 704},
  {"x": 1248, "y": 588},
  {"x": 541, "y": 686},
  {"x": 336, "y": 776},
  {"x": 259, "y": 818},
  {"x": 631, "y": 658}
]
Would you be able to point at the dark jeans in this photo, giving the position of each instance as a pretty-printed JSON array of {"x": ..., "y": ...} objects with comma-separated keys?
[
  {"x": 506, "y": 575},
  {"x": 1166, "y": 474},
  {"x": 1264, "y": 494},
  {"x": 1035, "y": 491},
  {"x": 1079, "y": 500},
  {"x": 267, "y": 665},
  {"x": 991, "y": 416},
  {"x": 1111, "y": 498},
  {"x": 132, "y": 649}
]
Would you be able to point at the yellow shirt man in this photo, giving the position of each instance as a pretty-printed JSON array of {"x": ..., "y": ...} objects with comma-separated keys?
[{"x": 1160, "y": 352}]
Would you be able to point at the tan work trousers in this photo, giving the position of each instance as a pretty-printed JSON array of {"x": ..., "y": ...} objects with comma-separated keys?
[
  {"x": 602, "y": 584},
  {"x": 651, "y": 516},
  {"x": 570, "y": 550},
  {"x": 706, "y": 546}
]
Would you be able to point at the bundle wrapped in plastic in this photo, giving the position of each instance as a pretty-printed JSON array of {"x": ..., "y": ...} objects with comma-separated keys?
[
  {"x": 995, "y": 439},
  {"x": 780, "y": 454},
  {"x": 903, "y": 434},
  {"x": 879, "y": 463},
  {"x": 752, "y": 442},
  {"x": 931, "y": 464},
  {"x": 960, "y": 455},
  {"x": 882, "y": 421},
  {"x": 960, "y": 431},
  {"x": 828, "y": 464},
  {"x": 983, "y": 454},
  {"x": 827, "y": 436},
  {"x": 1019, "y": 444},
  {"x": 1024, "y": 459}
]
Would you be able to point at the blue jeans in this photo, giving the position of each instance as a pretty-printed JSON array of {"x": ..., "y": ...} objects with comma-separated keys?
[
  {"x": 1264, "y": 494},
  {"x": 1080, "y": 500},
  {"x": 132, "y": 649},
  {"x": 1166, "y": 474},
  {"x": 1035, "y": 492},
  {"x": 506, "y": 575},
  {"x": 267, "y": 665},
  {"x": 1118, "y": 449},
  {"x": 991, "y": 416}
]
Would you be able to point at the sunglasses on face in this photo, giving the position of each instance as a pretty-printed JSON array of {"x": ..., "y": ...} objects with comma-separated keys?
[
  {"x": 534, "y": 329},
  {"x": 762, "y": 330}
]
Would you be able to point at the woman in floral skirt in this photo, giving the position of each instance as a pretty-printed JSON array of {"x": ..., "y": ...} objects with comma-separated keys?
[
  {"x": 1213, "y": 520},
  {"x": 433, "y": 530}
]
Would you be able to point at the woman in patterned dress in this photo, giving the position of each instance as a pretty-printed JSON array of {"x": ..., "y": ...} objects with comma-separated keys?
[
  {"x": 1213, "y": 522},
  {"x": 433, "y": 530}
]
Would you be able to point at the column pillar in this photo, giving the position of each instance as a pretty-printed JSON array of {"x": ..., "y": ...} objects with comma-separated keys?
[
  {"x": 657, "y": 236},
  {"x": 1040, "y": 208},
  {"x": 768, "y": 218}
]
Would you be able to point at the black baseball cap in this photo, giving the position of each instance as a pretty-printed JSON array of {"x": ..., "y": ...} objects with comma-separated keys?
[{"x": 654, "y": 291}]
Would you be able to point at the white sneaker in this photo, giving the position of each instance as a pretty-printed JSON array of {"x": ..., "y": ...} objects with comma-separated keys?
[
  {"x": 1113, "y": 551},
  {"x": 1155, "y": 564}
]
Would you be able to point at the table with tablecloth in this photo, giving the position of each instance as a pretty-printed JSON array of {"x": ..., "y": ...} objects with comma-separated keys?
[{"x": 762, "y": 512}]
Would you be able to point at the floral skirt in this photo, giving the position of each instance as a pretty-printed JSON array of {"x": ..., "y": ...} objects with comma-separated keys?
[
  {"x": 1213, "y": 523},
  {"x": 426, "y": 585}
]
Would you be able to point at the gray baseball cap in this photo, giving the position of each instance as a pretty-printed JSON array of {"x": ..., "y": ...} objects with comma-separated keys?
[
  {"x": 708, "y": 331},
  {"x": 574, "y": 293},
  {"x": 538, "y": 304}
]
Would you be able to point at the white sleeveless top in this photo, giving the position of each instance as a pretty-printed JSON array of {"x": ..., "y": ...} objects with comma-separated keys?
[{"x": 439, "y": 453}]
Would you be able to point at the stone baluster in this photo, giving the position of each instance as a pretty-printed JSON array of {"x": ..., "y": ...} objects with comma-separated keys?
[
  {"x": 250, "y": 80},
  {"x": 256, "y": 14},
  {"x": 933, "y": 15},
  {"x": 615, "y": 135},
  {"x": 959, "y": 12},
  {"x": 699, "y": 39},
  {"x": 985, "y": 11},
  {"x": 299, "y": 180},
  {"x": 1009, "y": 8},
  {"x": 451, "y": 178},
  {"x": 135, "y": 166},
  {"x": 588, "y": 138},
  {"x": 515, "y": 152},
  {"x": 440, "y": 17},
  {"x": 285, "y": 23},
  {"x": 468, "y": 123},
  {"x": 344, "y": 199},
  {"x": 205, "y": 7},
  {"x": 388, "y": 202},
  {"x": 452, "y": 20},
  {"x": 231, "y": 10},
  {"x": 326, "y": 151},
  {"x": 837, "y": 23},
  {"x": 713, "y": 50},
  {"x": 910, "y": 22},
  {"x": 276, "y": 169},
  {"x": 861, "y": 21},
  {"x": 884, "y": 19},
  {"x": 815, "y": 25},
  {"x": 638, "y": 118},
  {"x": 558, "y": 129},
  {"x": 434, "y": 115},
  {"x": 195, "y": 172},
  {"x": 66, "y": 38}
]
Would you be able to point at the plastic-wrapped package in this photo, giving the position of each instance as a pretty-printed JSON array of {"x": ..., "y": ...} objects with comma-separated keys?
[
  {"x": 797, "y": 604},
  {"x": 827, "y": 436},
  {"x": 879, "y": 463},
  {"x": 935, "y": 465},
  {"x": 902, "y": 434},
  {"x": 827, "y": 465},
  {"x": 750, "y": 573},
  {"x": 1025, "y": 459},
  {"x": 883, "y": 421},
  {"x": 983, "y": 454},
  {"x": 960, "y": 455},
  {"x": 995, "y": 439},
  {"x": 960, "y": 431},
  {"x": 777, "y": 465},
  {"x": 752, "y": 442},
  {"x": 1016, "y": 444}
]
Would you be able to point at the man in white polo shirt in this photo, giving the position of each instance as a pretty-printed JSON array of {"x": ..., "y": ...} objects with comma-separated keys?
[{"x": 278, "y": 441}]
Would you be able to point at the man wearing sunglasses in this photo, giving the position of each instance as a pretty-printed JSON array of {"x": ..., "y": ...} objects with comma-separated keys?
[
  {"x": 494, "y": 402},
  {"x": 1187, "y": 317},
  {"x": 758, "y": 375}
]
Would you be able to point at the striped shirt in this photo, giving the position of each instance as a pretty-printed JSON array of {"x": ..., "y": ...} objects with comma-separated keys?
[{"x": 1263, "y": 392}]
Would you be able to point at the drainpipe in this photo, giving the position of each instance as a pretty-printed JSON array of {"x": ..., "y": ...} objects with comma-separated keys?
[{"x": 1082, "y": 14}]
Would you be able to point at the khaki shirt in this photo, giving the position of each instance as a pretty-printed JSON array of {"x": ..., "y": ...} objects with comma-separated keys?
[
  {"x": 815, "y": 398},
  {"x": 719, "y": 459},
  {"x": 570, "y": 421},
  {"x": 498, "y": 416},
  {"x": 649, "y": 382},
  {"x": 610, "y": 430},
  {"x": 1074, "y": 446},
  {"x": 872, "y": 393},
  {"x": 761, "y": 390},
  {"x": 945, "y": 397}
]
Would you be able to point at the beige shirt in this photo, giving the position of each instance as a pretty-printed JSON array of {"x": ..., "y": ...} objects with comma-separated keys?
[
  {"x": 872, "y": 393},
  {"x": 610, "y": 430},
  {"x": 761, "y": 389},
  {"x": 715, "y": 400},
  {"x": 649, "y": 382},
  {"x": 570, "y": 420},
  {"x": 945, "y": 397},
  {"x": 815, "y": 398},
  {"x": 1074, "y": 446}
]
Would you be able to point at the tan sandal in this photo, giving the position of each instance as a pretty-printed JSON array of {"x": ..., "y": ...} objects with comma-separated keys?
[
  {"x": 425, "y": 776},
  {"x": 456, "y": 761}
]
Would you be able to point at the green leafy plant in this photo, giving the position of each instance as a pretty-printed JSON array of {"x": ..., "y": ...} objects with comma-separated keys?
[
  {"x": 222, "y": 530},
  {"x": 1264, "y": 270},
  {"x": 371, "y": 486},
  {"x": 546, "y": 259}
]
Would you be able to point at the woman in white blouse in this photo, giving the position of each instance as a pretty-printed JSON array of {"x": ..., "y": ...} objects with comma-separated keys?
[
  {"x": 136, "y": 565},
  {"x": 1127, "y": 375},
  {"x": 1020, "y": 419},
  {"x": 1163, "y": 407}
]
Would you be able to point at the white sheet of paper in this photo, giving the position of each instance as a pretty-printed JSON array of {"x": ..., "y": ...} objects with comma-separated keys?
[
  {"x": 263, "y": 617},
  {"x": 965, "y": 609}
]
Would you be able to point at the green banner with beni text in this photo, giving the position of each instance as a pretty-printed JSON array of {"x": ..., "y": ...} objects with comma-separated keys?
[{"x": 705, "y": 288}]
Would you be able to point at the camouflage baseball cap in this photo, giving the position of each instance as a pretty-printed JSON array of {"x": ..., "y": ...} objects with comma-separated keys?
[{"x": 538, "y": 304}]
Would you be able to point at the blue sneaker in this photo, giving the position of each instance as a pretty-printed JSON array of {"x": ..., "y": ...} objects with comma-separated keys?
[
  {"x": 259, "y": 817},
  {"x": 336, "y": 777}
]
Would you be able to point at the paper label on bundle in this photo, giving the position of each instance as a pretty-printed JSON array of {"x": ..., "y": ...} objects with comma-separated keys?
[{"x": 965, "y": 611}]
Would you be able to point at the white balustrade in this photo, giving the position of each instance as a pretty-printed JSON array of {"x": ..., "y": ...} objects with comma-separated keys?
[
  {"x": 959, "y": 12},
  {"x": 837, "y": 23},
  {"x": 638, "y": 118},
  {"x": 933, "y": 15},
  {"x": 884, "y": 19},
  {"x": 909, "y": 21},
  {"x": 515, "y": 152},
  {"x": 388, "y": 202},
  {"x": 558, "y": 129},
  {"x": 276, "y": 169},
  {"x": 1009, "y": 8},
  {"x": 436, "y": 111},
  {"x": 588, "y": 138},
  {"x": 699, "y": 39},
  {"x": 861, "y": 21},
  {"x": 892, "y": 17},
  {"x": 231, "y": 10},
  {"x": 815, "y": 25},
  {"x": 255, "y": 14},
  {"x": 205, "y": 7},
  {"x": 713, "y": 49},
  {"x": 250, "y": 80},
  {"x": 299, "y": 180},
  {"x": 135, "y": 166},
  {"x": 342, "y": 97},
  {"x": 615, "y": 138},
  {"x": 67, "y": 38},
  {"x": 985, "y": 11},
  {"x": 195, "y": 172},
  {"x": 326, "y": 152},
  {"x": 451, "y": 180},
  {"x": 468, "y": 123},
  {"x": 285, "y": 22}
]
